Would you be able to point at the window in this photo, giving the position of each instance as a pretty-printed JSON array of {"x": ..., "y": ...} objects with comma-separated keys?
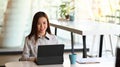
[{"x": 84, "y": 9}]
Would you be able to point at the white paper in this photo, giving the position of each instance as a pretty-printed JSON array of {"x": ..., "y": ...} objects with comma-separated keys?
[{"x": 88, "y": 60}]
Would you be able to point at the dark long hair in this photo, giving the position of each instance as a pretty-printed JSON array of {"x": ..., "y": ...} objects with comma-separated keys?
[{"x": 34, "y": 25}]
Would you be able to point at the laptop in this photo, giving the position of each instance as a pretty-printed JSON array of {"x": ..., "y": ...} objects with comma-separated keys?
[{"x": 50, "y": 54}]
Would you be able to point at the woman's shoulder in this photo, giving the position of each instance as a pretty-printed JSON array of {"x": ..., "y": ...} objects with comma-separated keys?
[
  {"x": 29, "y": 38},
  {"x": 50, "y": 35}
]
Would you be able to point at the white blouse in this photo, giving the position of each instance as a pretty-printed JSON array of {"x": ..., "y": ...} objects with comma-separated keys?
[{"x": 30, "y": 48}]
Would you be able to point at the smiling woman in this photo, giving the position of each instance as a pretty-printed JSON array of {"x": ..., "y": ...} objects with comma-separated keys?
[{"x": 40, "y": 35}]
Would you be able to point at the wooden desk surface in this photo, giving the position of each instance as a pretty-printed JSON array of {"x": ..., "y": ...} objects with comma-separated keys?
[{"x": 104, "y": 62}]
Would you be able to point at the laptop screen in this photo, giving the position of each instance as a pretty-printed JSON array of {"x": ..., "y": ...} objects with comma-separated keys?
[{"x": 50, "y": 50}]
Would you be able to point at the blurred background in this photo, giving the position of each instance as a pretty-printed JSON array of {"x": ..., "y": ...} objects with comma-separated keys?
[{"x": 16, "y": 18}]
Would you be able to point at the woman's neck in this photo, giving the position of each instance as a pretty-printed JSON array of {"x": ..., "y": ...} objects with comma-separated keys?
[{"x": 41, "y": 34}]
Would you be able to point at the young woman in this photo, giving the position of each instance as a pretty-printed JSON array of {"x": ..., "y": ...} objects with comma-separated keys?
[{"x": 40, "y": 35}]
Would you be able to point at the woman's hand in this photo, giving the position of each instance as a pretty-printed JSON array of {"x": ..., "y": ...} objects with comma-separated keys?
[{"x": 35, "y": 59}]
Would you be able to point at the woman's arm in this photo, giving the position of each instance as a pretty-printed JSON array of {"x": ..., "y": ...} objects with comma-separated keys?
[{"x": 26, "y": 52}]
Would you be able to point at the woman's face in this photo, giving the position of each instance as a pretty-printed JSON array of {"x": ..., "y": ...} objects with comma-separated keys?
[{"x": 42, "y": 25}]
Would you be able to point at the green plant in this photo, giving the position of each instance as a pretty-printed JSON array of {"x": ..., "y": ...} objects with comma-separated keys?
[{"x": 66, "y": 9}]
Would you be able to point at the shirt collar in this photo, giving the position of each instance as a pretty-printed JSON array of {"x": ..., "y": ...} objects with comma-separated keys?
[{"x": 47, "y": 36}]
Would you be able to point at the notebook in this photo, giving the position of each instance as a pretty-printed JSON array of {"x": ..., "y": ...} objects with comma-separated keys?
[
  {"x": 50, "y": 54},
  {"x": 88, "y": 60}
]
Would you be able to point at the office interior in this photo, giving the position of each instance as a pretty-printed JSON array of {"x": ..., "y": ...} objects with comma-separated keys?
[{"x": 16, "y": 18}]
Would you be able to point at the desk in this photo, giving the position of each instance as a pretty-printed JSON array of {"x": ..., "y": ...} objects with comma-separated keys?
[
  {"x": 104, "y": 62},
  {"x": 87, "y": 28}
]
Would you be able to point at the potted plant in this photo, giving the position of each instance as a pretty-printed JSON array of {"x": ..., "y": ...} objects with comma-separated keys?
[{"x": 65, "y": 9}]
